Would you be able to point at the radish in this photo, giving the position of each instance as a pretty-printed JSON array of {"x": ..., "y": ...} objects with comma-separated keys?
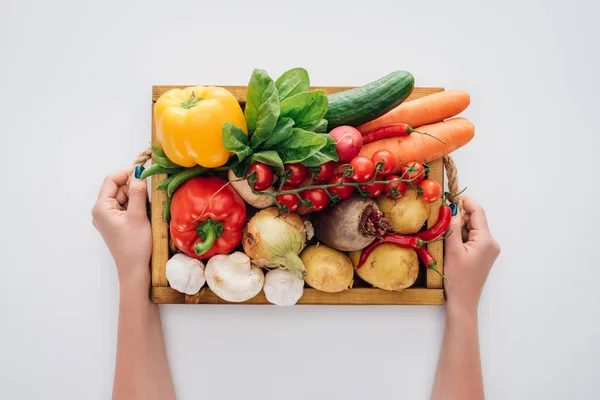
[{"x": 348, "y": 142}]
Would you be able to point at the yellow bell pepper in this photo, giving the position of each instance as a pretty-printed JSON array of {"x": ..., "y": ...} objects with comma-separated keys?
[{"x": 189, "y": 124}]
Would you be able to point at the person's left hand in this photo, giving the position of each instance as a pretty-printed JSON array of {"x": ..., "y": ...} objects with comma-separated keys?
[{"x": 126, "y": 231}]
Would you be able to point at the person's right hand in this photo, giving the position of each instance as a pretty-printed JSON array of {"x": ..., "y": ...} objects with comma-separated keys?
[{"x": 470, "y": 254}]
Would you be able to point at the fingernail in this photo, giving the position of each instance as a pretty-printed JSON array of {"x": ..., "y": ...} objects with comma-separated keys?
[
  {"x": 138, "y": 171},
  {"x": 454, "y": 209}
]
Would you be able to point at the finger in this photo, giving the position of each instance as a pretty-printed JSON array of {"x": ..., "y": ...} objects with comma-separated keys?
[
  {"x": 112, "y": 182},
  {"x": 121, "y": 196},
  {"x": 477, "y": 218},
  {"x": 138, "y": 194},
  {"x": 465, "y": 228},
  {"x": 454, "y": 240}
]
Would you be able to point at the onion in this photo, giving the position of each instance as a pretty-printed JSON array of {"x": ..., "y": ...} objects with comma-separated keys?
[{"x": 273, "y": 240}]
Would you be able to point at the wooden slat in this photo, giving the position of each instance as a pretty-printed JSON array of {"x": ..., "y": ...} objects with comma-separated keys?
[
  {"x": 433, "y": 280},
  {"x": 240, "y": 91},
  {"x": 358, "y": 296},
  {"x": 160, "y": 231}
]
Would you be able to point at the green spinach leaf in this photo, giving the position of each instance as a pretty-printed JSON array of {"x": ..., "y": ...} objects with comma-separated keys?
[
  {"x": 306, "y": 109},
  {"x": 268, "y": 114},
  {"x": 236, "y": 141},
  {"x": 240, "y": 168},
  {"x": 259, "y": 81},
  {"x": 271, "y": 158},
  {"x": 325, "y": 154},
  {"x": 282, "y": 131},
  {"x": 292, "y": 82},
  {"x": 300, "y": 145},
  {"x": 321, "y": 126}
]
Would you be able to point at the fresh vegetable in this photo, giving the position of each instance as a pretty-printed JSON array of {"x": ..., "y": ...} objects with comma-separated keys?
[
  {"x": 158, "y": 169},
  {"x": 406, "y": 214},
  {"x": 242, "y": 188},
  {"x": 233, "y": 278},
  {"x": 207, "y": 217},
  {"x": 359, "y": 105},
  {"x": 348, "y": 142},
  {"x": 374, "y": 189},
  {"x": 343, "y": 192},
  {"x": 324, "y": 174},
  {"x": 272, "y": 240},
  {"x": 189, "y": 124},
  {"x": 363, "y": 169},
  {"x": 282, "y": 287},
  {"x": 455, "y": 133},
  {"x": 297, "y": 173},
  {"x": 429, "y": 261},
  {"x": 396, "y": 189},
  {"x": 386, "y": 159},
  {"x": 318, "y": 199},
  {"x": 414, "y": 171},
  {"x": 409, "y": 242},
  {"x": 327, "y": 269},
  {"x": 288, "y": 200},
  {"x": 264, "y": 175},
  {"x": 185, "y": 274},
  {"x": 426, "y": 110},
  {"x": 388, "y": 267},
  {"x": 440, "y": 227},
  {"x": 431, "y": 191},
  {"x": 387, "y": 131},
  {"x": 183, "y": 176},
  {"x": 351, "y": 224}
]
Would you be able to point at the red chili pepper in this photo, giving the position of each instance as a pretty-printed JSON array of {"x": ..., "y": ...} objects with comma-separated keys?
[
  {"x": 429, "y": 261},
  {"x": 392, "y": 130},
  {"x": 409, "y": 242},
  {"x": 207, "y": 217},
  {"x": 440, "y": 227}
]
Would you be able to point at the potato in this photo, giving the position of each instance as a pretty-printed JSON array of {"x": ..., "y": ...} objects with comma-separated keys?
[
  {"x": 327, "y": 269},
  {"x": 388, "y": 267},
  {"x": 407, "y": 214}
]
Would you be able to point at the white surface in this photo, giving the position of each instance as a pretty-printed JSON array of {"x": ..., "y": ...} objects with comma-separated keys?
[{"x": 75, "y": 84}]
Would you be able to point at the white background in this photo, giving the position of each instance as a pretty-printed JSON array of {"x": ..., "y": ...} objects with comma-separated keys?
[{"x": 75, "y": 85}]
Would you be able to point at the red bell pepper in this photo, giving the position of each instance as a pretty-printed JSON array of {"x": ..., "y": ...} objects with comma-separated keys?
[{"x": 207, "y": 217}]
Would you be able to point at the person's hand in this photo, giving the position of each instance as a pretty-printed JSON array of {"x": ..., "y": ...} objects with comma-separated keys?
[
  {"x": 470, "y": 254},
  {"x": 121, "y": 218}
]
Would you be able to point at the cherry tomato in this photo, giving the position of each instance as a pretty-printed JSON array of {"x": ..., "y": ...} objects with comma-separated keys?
[
  {"x": 325, "y": 173},
  {"x": 431, "y": 191},
  {"x": 318, "y": 198},
  {"x": 399, "y": 186},
  {"x": 264, "y": 174},
  {"x": 297, "y": 173},
  {"x": 343, "y": 191},
  {"x": 363, "y": 169},
  {"x": 374, "y": 189},
  {"x": 413, "y": 170},
  {"x": 289, "y": 200},
  {"x": 388, "y": 159}
]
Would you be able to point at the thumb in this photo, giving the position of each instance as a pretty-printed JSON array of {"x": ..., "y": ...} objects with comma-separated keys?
[
  {"x": 138, "y": 195},
  {"x": 454, "y": 240}
]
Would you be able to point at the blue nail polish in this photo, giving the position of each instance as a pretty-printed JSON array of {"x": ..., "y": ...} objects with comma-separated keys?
[
  {"x": 138, "y": 171},
  {"x": 454, "y": 209}
]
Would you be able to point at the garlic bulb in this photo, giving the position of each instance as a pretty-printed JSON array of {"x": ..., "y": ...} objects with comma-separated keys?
[{"x": 185, "y": 274}]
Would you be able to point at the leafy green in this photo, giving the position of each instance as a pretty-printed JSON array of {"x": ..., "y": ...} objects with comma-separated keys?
[
  {"x": 236, "y": 141},
  {"x": 268, "y": 113},
  {"x": 282, "y": 131},
  {"x": 271, "y": 158},
  {"x": 259, "y": 81},
  {"x": 240, "y": 168},
  {"x": 300, "y": 145},
  {"x": 292, "y": 82},
  {"x": 306, "y": 109},
  {"x": 321, "y": 126},
  {"x": 325, "y": 154}
]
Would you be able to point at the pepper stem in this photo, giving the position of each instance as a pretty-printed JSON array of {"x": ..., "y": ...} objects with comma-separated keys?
[
  {"x": 208, "y": 231},
  {"x": 191, "y": 102},
  {"x": 433, "y": 266}
]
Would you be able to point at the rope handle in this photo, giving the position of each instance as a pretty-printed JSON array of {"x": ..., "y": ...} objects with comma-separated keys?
[{"x": 449, "y": 166}]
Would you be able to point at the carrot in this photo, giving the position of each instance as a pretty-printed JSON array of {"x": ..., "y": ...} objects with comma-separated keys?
[
  {"x": 426, "y": 110},
  {"x": 455, "y": 132}
]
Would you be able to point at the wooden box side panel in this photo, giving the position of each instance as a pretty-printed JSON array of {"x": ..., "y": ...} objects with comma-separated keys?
[{"x": 161, "y": 293}]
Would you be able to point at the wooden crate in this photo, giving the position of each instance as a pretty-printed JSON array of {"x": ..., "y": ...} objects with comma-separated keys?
[{"x": 426, "y": 291}]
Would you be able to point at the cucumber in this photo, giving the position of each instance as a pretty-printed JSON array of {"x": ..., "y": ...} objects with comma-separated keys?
[{"x": 365, "y": 103}]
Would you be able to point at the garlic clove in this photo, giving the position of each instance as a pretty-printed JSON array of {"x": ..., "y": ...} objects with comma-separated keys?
[
  {"x": 185, "y": 274},
  {"x": 282, "y": 287}
]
